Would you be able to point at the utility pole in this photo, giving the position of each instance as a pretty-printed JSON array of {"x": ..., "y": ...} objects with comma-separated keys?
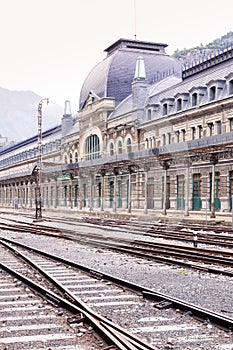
[{"x": 39, "y": 163}]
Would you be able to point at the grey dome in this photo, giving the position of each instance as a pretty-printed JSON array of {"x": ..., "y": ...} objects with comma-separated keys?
[{"x": 114, "y": 75}]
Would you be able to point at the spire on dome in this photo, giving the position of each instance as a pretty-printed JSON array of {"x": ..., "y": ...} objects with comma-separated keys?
[
  {"x": 67, "y": 110},
  {"x": 67, "y": 119},
  {"x": 140, "y": 71}
]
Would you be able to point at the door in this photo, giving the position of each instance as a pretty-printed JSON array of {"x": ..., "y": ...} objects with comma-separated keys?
[
  {"x": 150, "y": 198},
  {"x": 119, "y": 194},
  {"x": 217, "y": 201},
  {"x": 197, "y": 185},
  {"x": 111, "y": 193},
  {"x": 231, "y": 189},
  {"x": 180, "y": 192}
]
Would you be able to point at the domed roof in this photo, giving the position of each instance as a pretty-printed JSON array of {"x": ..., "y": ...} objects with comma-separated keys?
[{"x": 114, "y": 75}]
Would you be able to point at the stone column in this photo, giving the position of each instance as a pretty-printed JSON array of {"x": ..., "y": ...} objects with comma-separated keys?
[
  {"x": 17, "y": 194},
  {"x": 165, "y": 166},
  {"x": 50, "y": 195},
  {"x": 31, "y": 194},
  {"x": 146, "y": 169},
  {"x": 4, "y": 195},
  {"x": 55, "y": 197},
  {"x": 116, "y": 172},
  {"x": 213, "y": 161},
  {"x": 91, "y": 193},
  {"x": 188, "y": 163},
  {"x": 130, "y": 168},
  {"x": 80, "y": 193},
  {"x": 71, "y": 191},
  {"x": 102, "y": 172},
  {"x": 26, "y": 193}
]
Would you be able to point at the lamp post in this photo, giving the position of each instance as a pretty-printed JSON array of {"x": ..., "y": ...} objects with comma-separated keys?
[{"x": 39, "y": 162}]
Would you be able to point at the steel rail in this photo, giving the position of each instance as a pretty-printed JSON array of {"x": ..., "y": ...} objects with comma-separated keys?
[
  {"x": 183, "y": 247},
  {"x": 164, "y": 229},
  {"x": 154, "y": 244},
  {"x": 112, "y": 335},
  {"x": 91, "y": 240},
  {"x": 205, "y": 314},
  {"x": 44, "y": 230},
  {"x": 158, "y": 233},
  {"x": 127, "y": 341},
  {"x": 165, "y": 260},
  {"x": 183, "y": 253}
]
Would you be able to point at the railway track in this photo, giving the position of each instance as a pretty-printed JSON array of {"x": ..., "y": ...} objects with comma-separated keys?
[
  {"x": 210, "y": 260},
  {"x": 30, "y": 321},
  {"x": 212, "y": 235},
  {"x": 90, "y": 289},
  {"x": 50, "y": 334},
  {"x": 221, "y": 236},
  {"x": 209, "y": 235}
]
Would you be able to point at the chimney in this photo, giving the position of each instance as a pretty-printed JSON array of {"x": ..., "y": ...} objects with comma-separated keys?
[
  {"x": 139, "y": 89},
  {"x": 67, "y": 119}
]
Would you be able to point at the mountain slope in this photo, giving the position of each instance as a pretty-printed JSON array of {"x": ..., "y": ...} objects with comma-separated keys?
[
  {"x": 203, "y": 51},
  {"x": 19, "y": 111}
]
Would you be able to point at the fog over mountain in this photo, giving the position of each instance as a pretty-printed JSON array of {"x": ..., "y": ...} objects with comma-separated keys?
[{"x": 19, "y": 112}]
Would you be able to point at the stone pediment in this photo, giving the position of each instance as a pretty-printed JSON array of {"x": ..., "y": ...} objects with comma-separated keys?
[{"x": 91, "y": 98}]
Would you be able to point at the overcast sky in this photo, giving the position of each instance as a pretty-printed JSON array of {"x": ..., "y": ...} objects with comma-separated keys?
[{"x": 50, "y": 46}]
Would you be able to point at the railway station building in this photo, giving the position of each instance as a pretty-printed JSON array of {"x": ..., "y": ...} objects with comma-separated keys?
[{"x": 150, "y": 138}]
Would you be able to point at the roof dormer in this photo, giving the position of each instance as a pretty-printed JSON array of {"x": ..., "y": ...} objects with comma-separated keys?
[
  {"x": 167, "y": 105},
  {"x": 197, "y": 93},
  {"x": 181, "y": 100},
  {"x": 215, "y": 88}
]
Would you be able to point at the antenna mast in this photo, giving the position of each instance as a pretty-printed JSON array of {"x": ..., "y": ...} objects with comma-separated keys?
[{"x": 135, "y": 21}]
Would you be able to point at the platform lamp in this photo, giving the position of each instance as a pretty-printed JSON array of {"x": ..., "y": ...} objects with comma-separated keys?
[{"x": 39, "y": 163}]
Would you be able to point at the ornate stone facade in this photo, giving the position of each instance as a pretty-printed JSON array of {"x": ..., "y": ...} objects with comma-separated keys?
[{"x": 148, "y": 139}]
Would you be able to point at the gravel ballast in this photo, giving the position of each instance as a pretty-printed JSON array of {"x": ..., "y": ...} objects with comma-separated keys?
[{"x": 207, "y": 290}]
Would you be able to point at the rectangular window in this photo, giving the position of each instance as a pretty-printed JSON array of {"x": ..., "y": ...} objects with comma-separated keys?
[
  {"x": 231, "y": 124},
  {"x": 165, "y": 109},
  {"x": 164, "y": 139},
  {"x": 200, "y": 131},
  {"x": 149, "y": 114},
  {"x": 194, "y": 99},
  {"x": 230, "y": 87},
  {"x": 169, "y": 138},
  {"x": 212, "y": 93},
  {"x": 219, "y": 127},
  {"x": 211, "y": 128},
  {"x": 193, "y": 133},
  {"x": 179, "y": 104},
  {"x": 183, "y": 134}
]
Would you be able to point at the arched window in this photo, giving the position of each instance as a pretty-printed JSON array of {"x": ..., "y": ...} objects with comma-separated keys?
[
  {"x": 129, "y": 145},
  {"x": 111, "y": 149},
  {"x": 71, "y": 158},
  {"x": 119, "y": 147},
  {"x": 76, "y": 157},
  {"x": 92, "y": 147}
]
